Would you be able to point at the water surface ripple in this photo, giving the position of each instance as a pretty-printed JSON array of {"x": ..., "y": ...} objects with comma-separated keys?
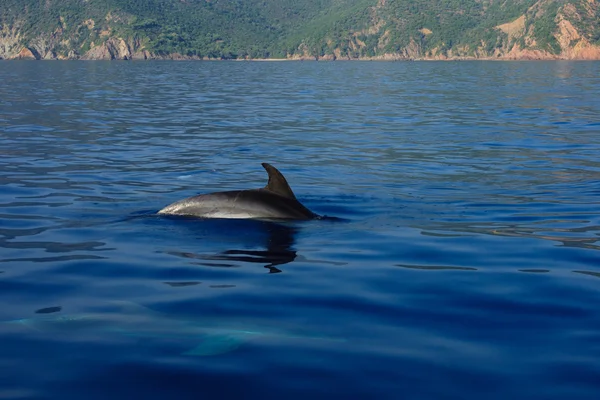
[{"x": 465, "y": 262}]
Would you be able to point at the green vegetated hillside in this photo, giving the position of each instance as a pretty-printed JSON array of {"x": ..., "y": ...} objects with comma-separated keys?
[{"x": 304, "y": 29}]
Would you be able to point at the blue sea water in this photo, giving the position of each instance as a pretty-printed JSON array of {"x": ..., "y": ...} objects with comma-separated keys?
[{"x": 464, "y": 262}]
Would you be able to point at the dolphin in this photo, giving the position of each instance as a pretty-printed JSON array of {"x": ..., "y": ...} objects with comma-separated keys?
[
  {"x": 208, "y": 337},
  {"x": 274, "y": 201}
]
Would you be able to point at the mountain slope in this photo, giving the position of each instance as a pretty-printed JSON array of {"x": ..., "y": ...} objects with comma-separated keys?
[{"x": 300, "y": 29}]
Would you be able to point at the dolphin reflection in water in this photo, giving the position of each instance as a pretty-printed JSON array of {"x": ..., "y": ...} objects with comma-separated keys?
[
  {"x": 274, "y": 201},
  {"x": 198, "y": 336},
  {"x": 246, "y": 242}
]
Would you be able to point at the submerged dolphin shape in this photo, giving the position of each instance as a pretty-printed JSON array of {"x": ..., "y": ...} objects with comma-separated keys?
[
  {"x": 274, "y": 201},
  {"x": 207, "y": 336}
]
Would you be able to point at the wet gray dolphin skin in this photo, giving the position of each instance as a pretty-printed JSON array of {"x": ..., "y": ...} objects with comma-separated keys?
[{"x": 274, "y": 201}]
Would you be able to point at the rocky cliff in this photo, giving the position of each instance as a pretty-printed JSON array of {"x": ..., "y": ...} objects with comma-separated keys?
[
  {"x": 547, "y": 30},
  {"x": 386, "y": 30}
]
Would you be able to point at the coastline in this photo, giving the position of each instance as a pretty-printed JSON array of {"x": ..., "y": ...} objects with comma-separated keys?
[
  {"x": 371, "y": 59},
  {"x": 584, "y": 53}
]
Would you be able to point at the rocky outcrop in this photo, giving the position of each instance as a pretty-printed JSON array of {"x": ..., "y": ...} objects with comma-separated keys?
[
  {"x": 111, "y": 49},
  {"x": 44, "y": 46},
  {"x": 10, "y": 39},
  {"x": 574, "y": 45},
  {"x": 26, "y": 54}
]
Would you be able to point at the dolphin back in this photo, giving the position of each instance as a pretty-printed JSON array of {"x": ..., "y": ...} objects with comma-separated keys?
[{"x": 275, "y": 201}]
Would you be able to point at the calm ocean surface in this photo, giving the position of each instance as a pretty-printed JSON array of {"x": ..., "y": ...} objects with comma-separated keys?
[{"x": 465, "y": 263}]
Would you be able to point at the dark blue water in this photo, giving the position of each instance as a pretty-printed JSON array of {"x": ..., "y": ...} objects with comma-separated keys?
[{"x": 465, "y": 263}]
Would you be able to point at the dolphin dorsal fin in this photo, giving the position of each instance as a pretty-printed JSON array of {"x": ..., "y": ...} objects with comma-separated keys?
[{"x": 277, "y": 183}]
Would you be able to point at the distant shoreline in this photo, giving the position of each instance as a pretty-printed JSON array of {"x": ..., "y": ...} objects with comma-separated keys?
[{"x": 375, "y": 59}]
